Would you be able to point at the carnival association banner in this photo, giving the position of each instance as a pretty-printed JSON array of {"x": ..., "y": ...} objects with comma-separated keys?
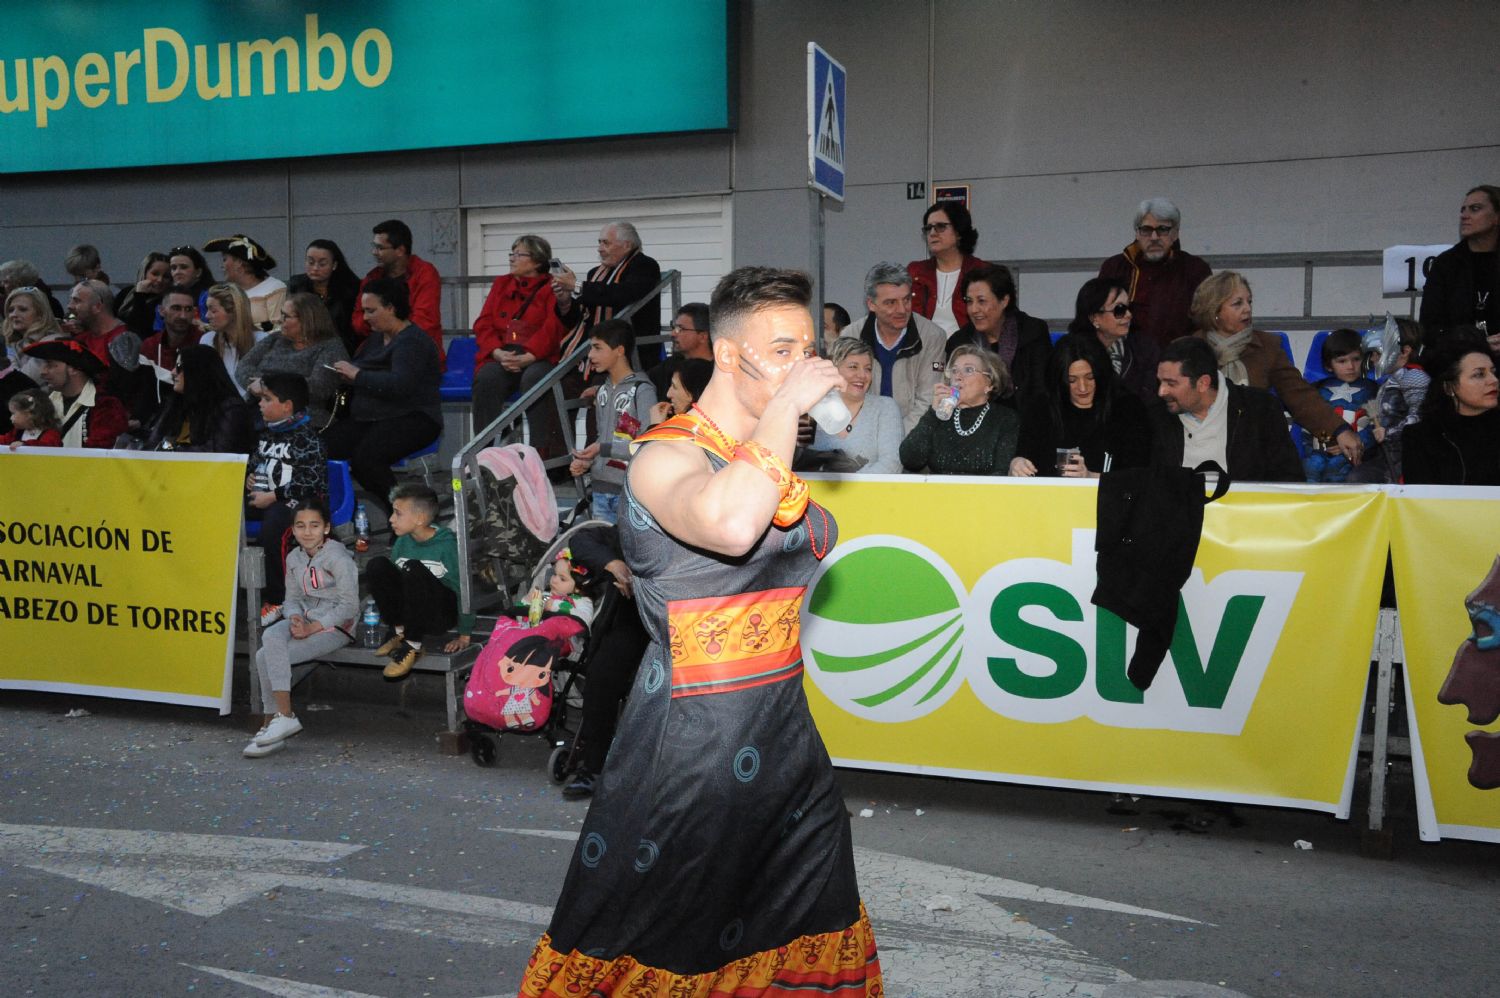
[
  {"x": 950, "y": 632},
  {"x": 118, "y": 572},
  {"x": 1445, "y": 552}
]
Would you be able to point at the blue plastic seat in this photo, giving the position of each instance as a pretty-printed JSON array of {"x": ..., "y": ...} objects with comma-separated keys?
[
  {"x": 340, "y": 492},
  {"x": 1059, "y": 334},
  {"x": 458, "y": 380},
  {"x": 1313, "y": 370},
  {"x": 1286, "y": 347}
]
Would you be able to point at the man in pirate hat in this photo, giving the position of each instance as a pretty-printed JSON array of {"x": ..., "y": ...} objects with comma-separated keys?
[{"x": 89, "y": 417}]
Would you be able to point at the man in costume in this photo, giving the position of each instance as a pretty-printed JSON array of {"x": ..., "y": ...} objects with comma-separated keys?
[{"x": 716, "y": 858}]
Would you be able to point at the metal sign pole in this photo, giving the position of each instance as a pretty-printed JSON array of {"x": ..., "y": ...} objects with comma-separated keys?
[
  {"x": 826, "y": 135},
  {"x": 815, "y": 211}
]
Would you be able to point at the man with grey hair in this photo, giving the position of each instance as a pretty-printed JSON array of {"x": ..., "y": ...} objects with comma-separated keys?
[
  {"x": 909, "y": 350},
  {"x": 23, "y": 274},
  {"x": 1161, "y": 276},
  {"x": 624, "y": 276},
  {"x": 92, "y": 322}
]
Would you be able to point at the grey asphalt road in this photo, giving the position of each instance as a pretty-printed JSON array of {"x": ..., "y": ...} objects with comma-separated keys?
[{"x": 142, "y": 855}]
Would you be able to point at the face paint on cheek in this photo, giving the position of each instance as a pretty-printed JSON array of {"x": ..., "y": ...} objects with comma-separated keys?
[
  {"x": 750, "y": 370},
  {"x": 771, "y": 369}
]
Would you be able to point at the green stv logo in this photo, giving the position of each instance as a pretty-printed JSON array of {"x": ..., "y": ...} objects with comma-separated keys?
[{"x": 889, "y": 633}]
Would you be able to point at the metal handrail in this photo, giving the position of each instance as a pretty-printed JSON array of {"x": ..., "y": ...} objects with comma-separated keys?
[
  {"x": 506, "y": 427},
  {"x": 1307, "y": 262}
]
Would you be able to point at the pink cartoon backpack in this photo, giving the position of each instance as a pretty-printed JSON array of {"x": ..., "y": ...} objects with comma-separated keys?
[{"x": 510, "y": 688}]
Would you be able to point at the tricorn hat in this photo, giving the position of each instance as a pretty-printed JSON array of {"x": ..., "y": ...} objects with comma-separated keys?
[
  {"x": 244, "y": 247},
  {"x": 70, "y": 352}
]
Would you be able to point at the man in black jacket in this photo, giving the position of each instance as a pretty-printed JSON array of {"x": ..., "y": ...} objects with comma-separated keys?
[
  {"x": 1243, "y": 429},
  {"x": 624, "y": 276}
]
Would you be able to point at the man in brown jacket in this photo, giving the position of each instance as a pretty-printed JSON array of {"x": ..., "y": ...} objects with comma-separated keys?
[{"x": 1161, "y": 276}]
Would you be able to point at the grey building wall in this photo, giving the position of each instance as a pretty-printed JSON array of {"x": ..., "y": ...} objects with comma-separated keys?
[{"x": 1276, "y": 127}]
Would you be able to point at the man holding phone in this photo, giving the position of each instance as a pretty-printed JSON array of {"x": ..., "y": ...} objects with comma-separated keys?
[{"x": 624, "y": 276}]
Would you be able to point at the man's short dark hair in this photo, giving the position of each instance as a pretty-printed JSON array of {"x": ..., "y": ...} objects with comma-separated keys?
[
  {"x": 698, "y": 312},
  {"x": 841, "y": 318},
  {"x": 287, "y": 386},
  {"x": 615, "y": 333},
  {"x": 1195, "y": 357},
  {"x": 392, "y": 291},
  {"x": 1341, "y": 342},
  {"x": 396, "y": 231},
  {"x": 180, "y": 289},
  {"x": 747, "y": 290},
  {"x": 420, "y": 496}
]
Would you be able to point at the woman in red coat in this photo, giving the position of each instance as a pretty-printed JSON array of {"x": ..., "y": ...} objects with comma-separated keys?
[
  {"x": 937, "y": 282},
  {"x": 518, "y": 330}
]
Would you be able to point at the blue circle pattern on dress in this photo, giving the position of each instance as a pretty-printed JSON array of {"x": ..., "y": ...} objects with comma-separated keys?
[
  {"x": 639, "y": 518},
  {"x": 732, "y": 934},
  {"x": 645, "y": 855},
  {"x": 593, "y": 849},
  {"x": 746, "y": 764},
  {"x": 795, "y": 537},
  {"x": 655, "y": 676}
]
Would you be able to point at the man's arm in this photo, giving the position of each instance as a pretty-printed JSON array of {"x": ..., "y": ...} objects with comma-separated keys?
[
  {"x": 361, "y": 327},
  {"x": 426, "y": 289}
]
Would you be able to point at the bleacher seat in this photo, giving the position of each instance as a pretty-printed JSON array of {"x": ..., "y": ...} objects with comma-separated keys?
[
  {"x": 340, "y": 492},
  {"x": 1313, "y": 370},
  {"x": 458, "y": 380},
  {"x": 431, "y": 448},
  {"x": 1286, "y": 347},
  {"x": 1057, "y": 335}
]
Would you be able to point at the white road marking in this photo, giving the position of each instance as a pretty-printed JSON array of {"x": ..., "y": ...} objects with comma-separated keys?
[{"x": 978, "y": 948}]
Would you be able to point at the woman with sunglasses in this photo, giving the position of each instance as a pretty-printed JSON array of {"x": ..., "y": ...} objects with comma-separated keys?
[
  {"x": 936, "y": 282},
  {"x": 1103, "y": 310},
  {"x": 996, "y": 324},
  {"x": 1084, "y": 423},
  {"x": 978, "y": 437},
  {"x": 1247, "y": 356}
]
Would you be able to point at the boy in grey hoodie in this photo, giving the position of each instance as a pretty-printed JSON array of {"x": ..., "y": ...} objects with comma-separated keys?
[{"x": 622, "y": 409}]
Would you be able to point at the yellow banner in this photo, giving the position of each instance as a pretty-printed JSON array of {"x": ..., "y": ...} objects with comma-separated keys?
[
  {"x": 117, "y": 573},
  {"x": 950, "y": 632},
  {"x": 1445, "y": 546}
]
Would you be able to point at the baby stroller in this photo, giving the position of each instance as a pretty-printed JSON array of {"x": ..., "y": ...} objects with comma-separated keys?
[{"x": 564, "y": 676}]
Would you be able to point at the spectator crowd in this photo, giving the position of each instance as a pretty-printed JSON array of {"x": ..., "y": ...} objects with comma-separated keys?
[{"x": 944, "y": 374}]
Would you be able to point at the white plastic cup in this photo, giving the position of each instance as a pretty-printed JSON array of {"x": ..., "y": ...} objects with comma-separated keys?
[{"x": 830, "y": 413}]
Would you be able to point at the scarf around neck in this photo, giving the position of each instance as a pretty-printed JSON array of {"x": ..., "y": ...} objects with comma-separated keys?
[{"x": 1227, "y": 350}]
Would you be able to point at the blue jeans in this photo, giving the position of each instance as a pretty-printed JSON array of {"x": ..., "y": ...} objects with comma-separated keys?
[{"x": 606, "y": 506}]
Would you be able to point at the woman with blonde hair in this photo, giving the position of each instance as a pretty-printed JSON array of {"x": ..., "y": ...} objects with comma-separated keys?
[
  {"x": 28, "y": 319},
  {"x": 1222, "y": 315},
  {"x": 230, "y": 332}
]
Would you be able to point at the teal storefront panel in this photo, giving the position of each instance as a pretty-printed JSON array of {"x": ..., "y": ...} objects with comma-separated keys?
[{"x": 133, "y": 83}]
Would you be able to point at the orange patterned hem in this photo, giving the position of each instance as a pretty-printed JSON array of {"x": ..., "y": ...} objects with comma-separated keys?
[{"x": 841, "y": 964}]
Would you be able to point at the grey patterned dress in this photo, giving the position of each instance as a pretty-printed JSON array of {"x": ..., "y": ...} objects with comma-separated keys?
[{"x": 718, "y": 833}]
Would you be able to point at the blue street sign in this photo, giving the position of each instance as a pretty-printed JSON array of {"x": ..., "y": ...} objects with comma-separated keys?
[{"x": 825, "y": 122}]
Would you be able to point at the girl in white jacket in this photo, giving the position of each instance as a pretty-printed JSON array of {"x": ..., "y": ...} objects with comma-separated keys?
[{"x": 322, "y": 598}]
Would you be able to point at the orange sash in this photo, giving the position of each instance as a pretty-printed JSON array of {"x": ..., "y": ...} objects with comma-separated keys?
[{"x": 700, "y": 431}]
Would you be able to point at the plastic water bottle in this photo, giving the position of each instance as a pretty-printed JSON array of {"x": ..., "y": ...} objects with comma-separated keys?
[
  {"x": 943, "y": 407},
  {"x": 371, "y": 621},
  {"x": 361, "y": 528},
  {"x": 830, "y": 413}
]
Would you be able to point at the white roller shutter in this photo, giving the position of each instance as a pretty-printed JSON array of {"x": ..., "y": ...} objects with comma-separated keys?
[{"x": 688, "y": 234}]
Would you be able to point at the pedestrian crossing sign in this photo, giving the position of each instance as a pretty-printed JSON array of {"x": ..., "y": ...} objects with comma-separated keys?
[{"x": 825, "y": 122}]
